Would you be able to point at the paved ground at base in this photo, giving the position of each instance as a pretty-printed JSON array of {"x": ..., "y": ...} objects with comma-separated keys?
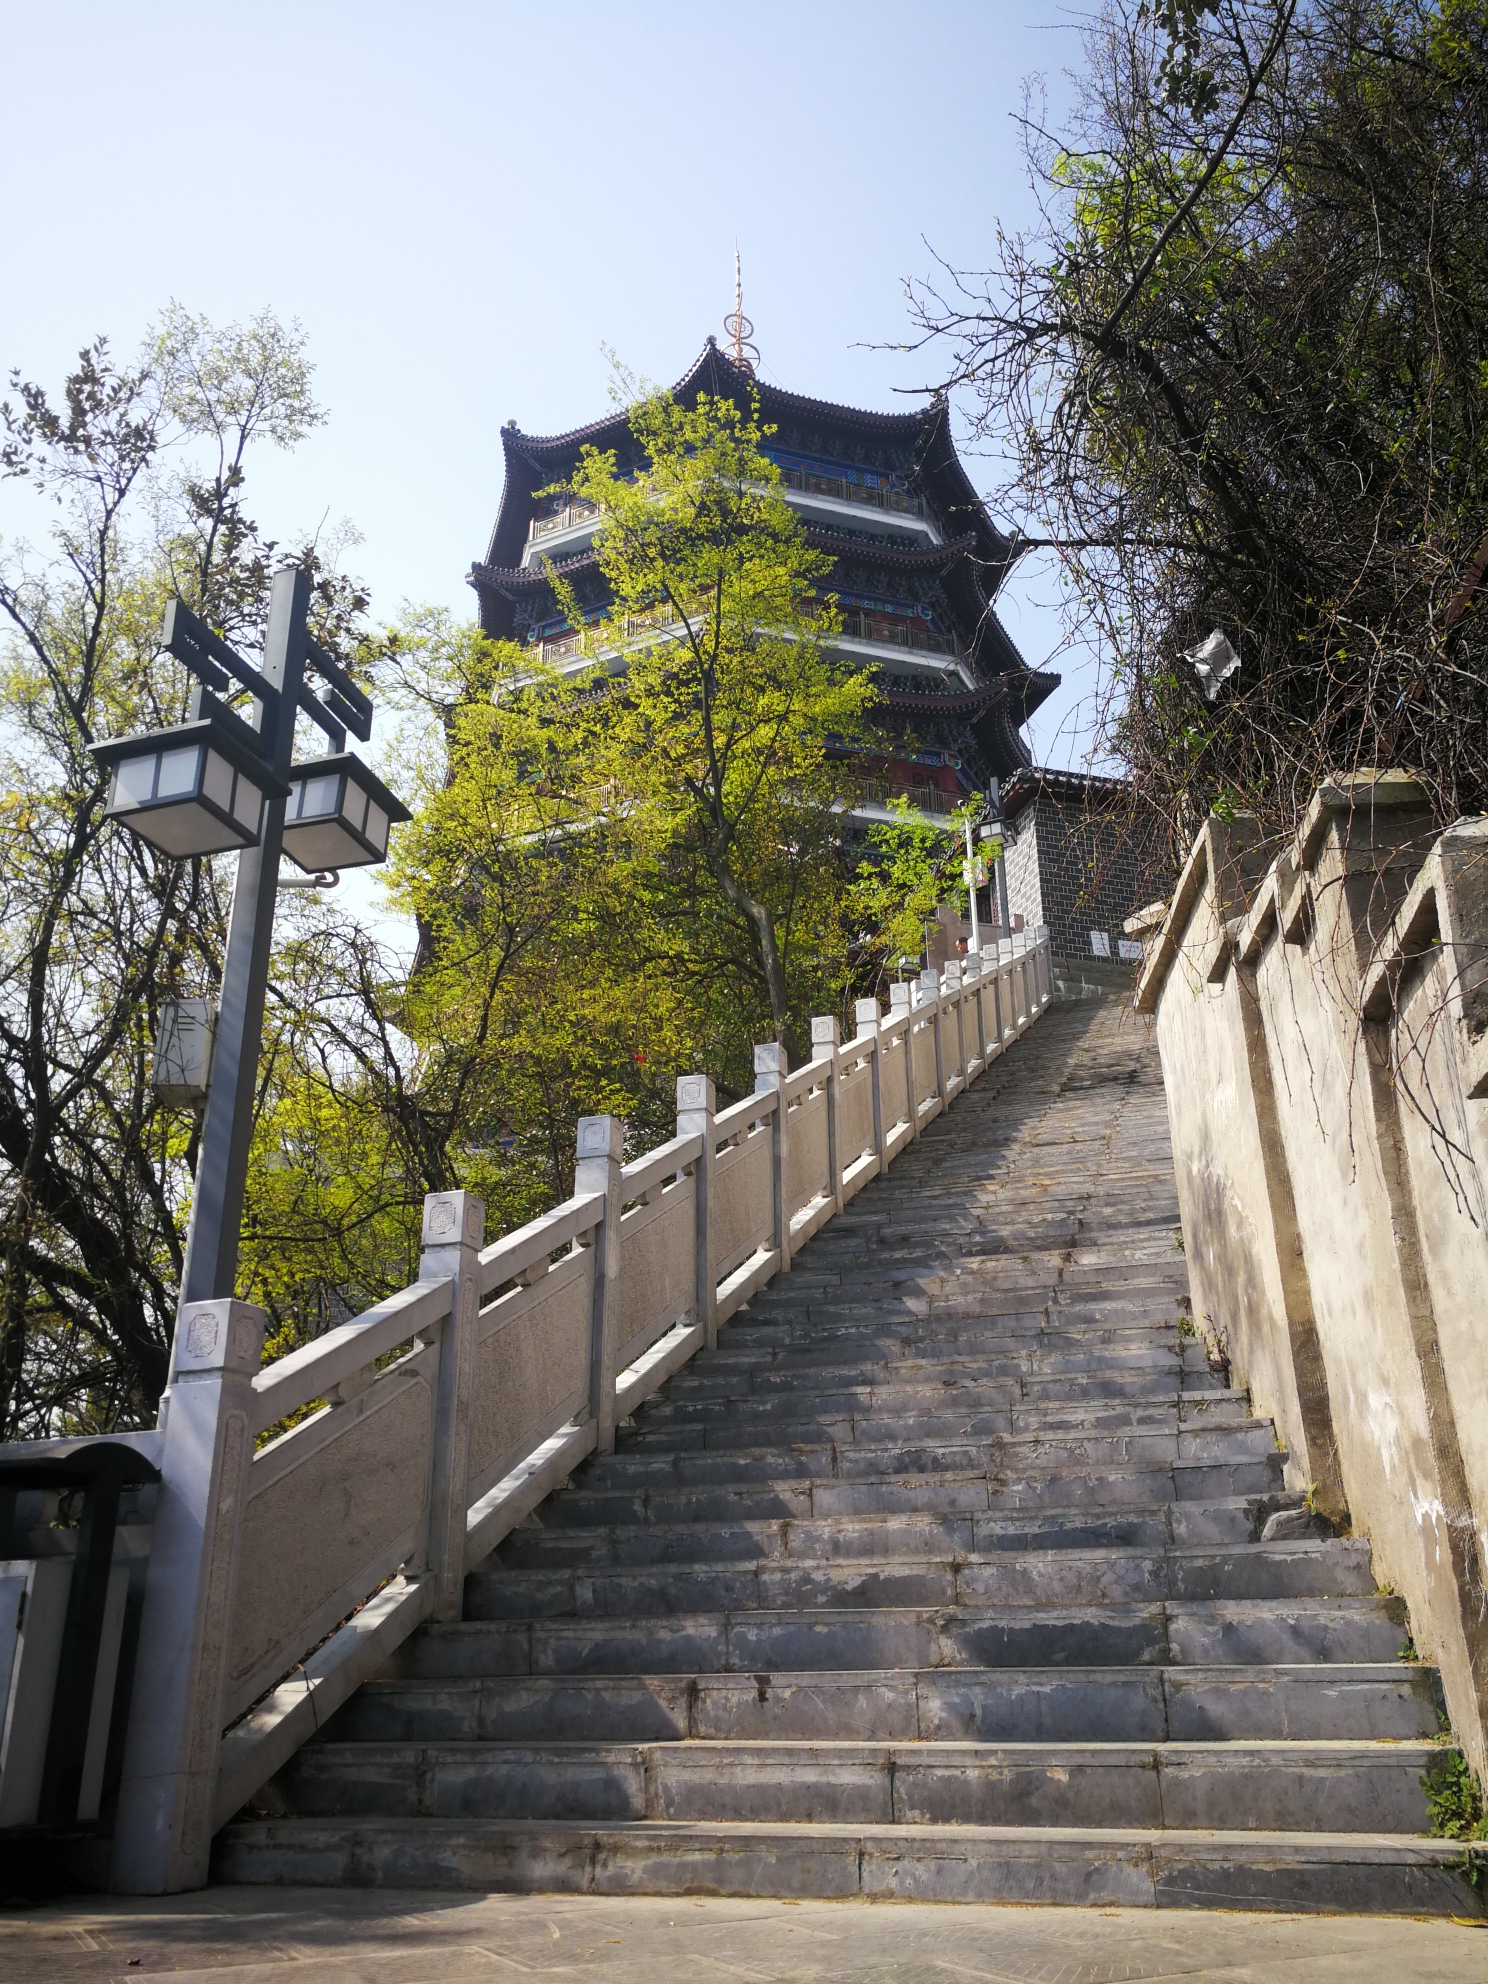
[{"x": 335, "y": 1936}]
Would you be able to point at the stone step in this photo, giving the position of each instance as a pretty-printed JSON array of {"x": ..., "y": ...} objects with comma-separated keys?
[
  {"x": 1036, "y": 1420},
  {"x": 752, "y": 1350},
  {"x": 897, "y": 1419},
  {"x": 821, "y": 1538},
  {"x": 1091, "y": 1866},
  {"x": 840, "y": 1310},
  {"x": 1393, "y": 1702},
  {"x": 675, "y": 1495},
  {"x": 917, "y": 1390},
  {"x": 1002, "y": 1452},
  {"x": 1170, "y": 1632},
  {"x": 784, "y": 1368},
  {"x": 1306, "y": 1569},
  {"x": 1287, "y": 1786},
  {"x": 973, "y": 1263}
]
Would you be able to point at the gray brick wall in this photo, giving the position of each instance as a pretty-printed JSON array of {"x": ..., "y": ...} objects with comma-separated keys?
[{"x": 1080, "y": 871}]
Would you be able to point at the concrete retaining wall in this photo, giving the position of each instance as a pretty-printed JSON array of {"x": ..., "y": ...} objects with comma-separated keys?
[{"x": 1322, "y": 1016}]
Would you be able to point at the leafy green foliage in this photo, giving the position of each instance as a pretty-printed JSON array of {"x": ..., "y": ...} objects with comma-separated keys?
[
  {"x": 140, "y": 469},
  {"x": 616, "y": 875},
  {"x": 1241, "y": 367},
  {"x": 1454, "y": 1798},
  {"x": 711, "y": 743}
]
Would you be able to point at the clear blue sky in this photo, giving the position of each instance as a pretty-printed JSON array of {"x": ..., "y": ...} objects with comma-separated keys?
[{"x": 464, "y": 202}]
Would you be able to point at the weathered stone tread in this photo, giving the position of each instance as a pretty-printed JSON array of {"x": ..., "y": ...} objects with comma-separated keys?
[{"x": 940, "y": 1579}]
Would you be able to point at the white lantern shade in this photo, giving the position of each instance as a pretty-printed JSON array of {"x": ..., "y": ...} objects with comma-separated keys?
[
  {"x": 193, "y": 789},
  {"x": 338, "y": 814}
]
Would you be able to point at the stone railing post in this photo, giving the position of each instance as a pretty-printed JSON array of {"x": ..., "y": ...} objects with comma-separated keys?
[
  {"x": 697, "y": 1103},
  {"x": 454, "y": 1229},
  {"x": 163, "y": 1833},
  {"x": 951, "y": 989},
  {"x": 990, "y": 954},
  {"x": 769, "y": 1073},
  {"x": 971, "y": 1004},
  {"x": 902, "y": 1000},
  {"x": 824, "y": 1044},
  {"x": 866, "y": 1015},
  {"x": 930, "y": 995},
  {"x": 601, "y": 1143}
]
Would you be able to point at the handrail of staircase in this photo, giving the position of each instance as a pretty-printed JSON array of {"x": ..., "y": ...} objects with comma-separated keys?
[
  {"x": 282, "y": 1578},
  {"x": 346, "y": 1351}
]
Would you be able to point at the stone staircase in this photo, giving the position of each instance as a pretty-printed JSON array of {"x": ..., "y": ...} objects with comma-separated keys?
[{"x": 944, "y": 1577}]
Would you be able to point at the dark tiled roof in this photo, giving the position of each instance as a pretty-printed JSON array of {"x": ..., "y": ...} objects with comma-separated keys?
[
  {"x": 969, "y": 568},
  {"x": 943, "y": 702},
  {"x": 1084, "y": 789},
  {"x": 896, "y": 557},
  {"x": 533, "y": 460}
]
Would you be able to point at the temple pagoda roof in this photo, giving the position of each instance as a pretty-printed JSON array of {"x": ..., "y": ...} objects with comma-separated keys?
[
  {"x": 533, "y": 460},
  {"x": 968, "y": 565}
]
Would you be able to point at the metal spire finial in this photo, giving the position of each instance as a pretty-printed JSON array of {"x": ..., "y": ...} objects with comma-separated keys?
[{"x": 744, "y": 354}]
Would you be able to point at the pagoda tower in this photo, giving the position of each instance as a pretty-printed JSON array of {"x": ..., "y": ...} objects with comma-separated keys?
[{"x": 917, "y": 565}]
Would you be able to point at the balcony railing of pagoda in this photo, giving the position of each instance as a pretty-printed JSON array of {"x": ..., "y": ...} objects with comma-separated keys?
[
  {"x": 909, "y": 638},
  {"x": 924, "y": 798},
  {"x": 563, "y": 647},
  {"x": 841, "y": 490},
  {"x": 886, "y": 634},
  {"x": 577, "y": 512}
]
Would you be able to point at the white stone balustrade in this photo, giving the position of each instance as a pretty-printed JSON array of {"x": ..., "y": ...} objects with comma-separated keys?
[{"x": 446, "y": 1413}]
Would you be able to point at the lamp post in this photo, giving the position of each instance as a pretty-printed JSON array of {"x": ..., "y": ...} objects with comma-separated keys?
[
  {"x": 210, "y": 784},
  {"x": 973, "y": 874},
  {"x": 215, "y": 783},
  {"x": 992, "y": 832}
]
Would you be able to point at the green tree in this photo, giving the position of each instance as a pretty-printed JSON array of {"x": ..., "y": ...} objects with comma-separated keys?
[
  {"x": 708, "y": 732},
  {"x": 1241, "y": 368},
  {"x": 140, "y": 467},
  {"x": 910, "y": 870}
]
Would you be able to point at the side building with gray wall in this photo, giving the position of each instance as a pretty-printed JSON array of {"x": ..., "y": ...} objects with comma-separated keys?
[{"x": 1076, "y": 861}]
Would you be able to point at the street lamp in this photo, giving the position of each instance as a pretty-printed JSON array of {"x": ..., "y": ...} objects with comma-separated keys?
[
  {"x": 338, "y": 814},
  {"x": 215, "y": 783},
  {"x": 193, "y": 789}
]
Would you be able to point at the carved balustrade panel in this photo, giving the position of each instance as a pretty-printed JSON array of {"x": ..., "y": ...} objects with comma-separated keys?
[
  {"x": 531, "y": 1367},
  {"x": 657, "y": 1268},
  {"x": 743, "y": 1210},
  {"x": 334, "y": 1507}
]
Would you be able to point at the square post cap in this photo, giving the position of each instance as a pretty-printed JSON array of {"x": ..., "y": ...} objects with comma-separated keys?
[
  {"x": 769, "y": 1058},
  {"x": 900, "y": 996},
  {"x": 866, "y": 1013},
  {"x": 221, "y": 1335},
  {"x": 453, "y": 1219},
  {"x": 823, "y": 1033},
  {"x": 952, "y": 975},
  {"x": 601, "y": 1136},
  {"x": 929, "y": 982},
  {"x": 696, "y": 1092}
]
